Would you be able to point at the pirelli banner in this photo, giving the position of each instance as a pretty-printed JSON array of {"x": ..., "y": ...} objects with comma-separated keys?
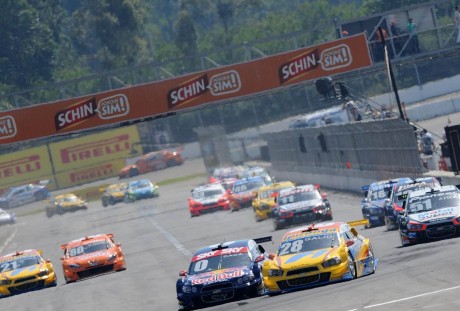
[
  {"x": 90, "y": 173},
  {"x": 27, "y": 166},
  {"x": 185, "y": 92}
]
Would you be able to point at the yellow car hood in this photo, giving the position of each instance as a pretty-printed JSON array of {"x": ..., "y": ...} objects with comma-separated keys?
[
  {"x": 72, "y": 204},
  {"x": 118, "y": 194},
  {"x": 23, "y": 272},
  {"x": 310, "y": 258}
]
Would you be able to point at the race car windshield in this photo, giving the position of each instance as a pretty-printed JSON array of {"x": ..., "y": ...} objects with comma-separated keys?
[
  {"x": 140, "y": 185},
  {"x": 116, "y": 189},
  {"x": 220, "y": 262},
  {"x": 250, "y": 185},
  {"x": 299, "y": 197},
  {"x": 433, "y": 203},
  {"x": 89, "y": 248},
  {"x": 18, "y": 263},
  {"x": 309, "y": 243},
  {"x": 207, "y": 193},
  {"x": 68, "y": 199}
]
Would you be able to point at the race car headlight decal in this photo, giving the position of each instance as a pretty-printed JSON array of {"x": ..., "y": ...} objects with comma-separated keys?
[
  {"x": 239, "y": 281},
  {"x": 5, "y": 282},
  {"x": 187, "y": 289},
  {"x": 332, "y": 262},
  {"x": 194, "y": 289},
  {"x": 43, "y": 273},
  {"x": 74, "y": 266},
  {"x": 413, "y": 226},
  {"x": 112, "y": 257},
  {"x": 245, "y": 278},
  {"x": 275, "y": 272}
]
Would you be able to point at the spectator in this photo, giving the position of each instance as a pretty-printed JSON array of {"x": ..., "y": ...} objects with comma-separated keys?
[
  {"x": 427, "y": 143},
  {"x": 457, "y": 21},
  {"x": 413, "y": 36},
  {"x": 395, "y": 33}
]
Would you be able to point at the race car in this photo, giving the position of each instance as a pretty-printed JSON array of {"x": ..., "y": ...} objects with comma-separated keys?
[
  {"x": 221, "y": 173},
  {"x": 375, "y": 198},
  {"x": 397, "y": 201},
  {"x": 318, "y": 254},
  {"x": 264, "y": 202},
  {"x": 222, "y": 272},
  {"x": 141, "y": 189},
  {"x": 7, "y": 217},
  {"x": 24, "y": 271},
  {"x": 253, "y": 171},
  {"x": 152, "y": 161},
  {"x": 21, "y": 195},
  {"x": 208, "y": 198},
  {"x": 91, "y": 255},
  {"x": 430, "y": 214},
  {"x": 113, "y": 194},
  {"x": 63, "y": 203},
  {"x": 243, "y": 191},
  {"x": 301, "y": 204}
]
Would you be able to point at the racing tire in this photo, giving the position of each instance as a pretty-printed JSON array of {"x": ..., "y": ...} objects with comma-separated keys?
[
  {"x": 39, "y": 196},
  {"x": 258, "y": 219},
  {"x": 371, "y": 254},
  {"x": 171, "y": 162},
  {"x": 277, "y": 226},
  {"x": 4, "y": 205},
  {"x": 351, "y": 267},
  {"x": 404, "y": 245},
  {"x": 59, "y": 210},
  {"x": 49, "y": 213},
  {"x": 133, "y": 172},
  {"x": 388, "y": 225},
  {"x": 112, "y": 201},
  {"x": 105, "y": 203}
]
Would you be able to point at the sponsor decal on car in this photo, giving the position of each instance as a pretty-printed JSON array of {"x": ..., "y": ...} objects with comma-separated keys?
[{"x": 223, "y": 276}]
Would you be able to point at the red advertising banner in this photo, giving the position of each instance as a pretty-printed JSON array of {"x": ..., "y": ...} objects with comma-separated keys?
[{"x": 185, "y": 92}]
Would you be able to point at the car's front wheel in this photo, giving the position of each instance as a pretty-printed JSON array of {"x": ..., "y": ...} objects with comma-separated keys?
[{"x": 351, "y": 267}]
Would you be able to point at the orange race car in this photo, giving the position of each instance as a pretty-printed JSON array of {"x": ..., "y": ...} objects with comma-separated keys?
[
  {"x": 152, "y": 161},
  {"x": 90, "y": 256}
]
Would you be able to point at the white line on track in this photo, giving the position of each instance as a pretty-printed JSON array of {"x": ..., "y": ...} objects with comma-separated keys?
[
  {"x": 181, "y": 248},
  {"x": 8, "y": 241},
  {"x": 409, "y": 298}
]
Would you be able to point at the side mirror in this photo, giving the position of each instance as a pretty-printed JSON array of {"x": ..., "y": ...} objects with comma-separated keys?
[
  {"x": 324, "y": 195},
  {"x": 353, "y": 230},
  {"x": 182, "y": 273},
  {"x": 48, "y": 261},
  {"x": 349, "y": 243},
  {"x": 62, "y": 258},
  {"x": 261, "y": 249},
  {"x": 271, "y": 256},
  {"x": 118, "y": 244},
  {"x": 229, "y": 191},
  {"x": 402, "y": 212}
]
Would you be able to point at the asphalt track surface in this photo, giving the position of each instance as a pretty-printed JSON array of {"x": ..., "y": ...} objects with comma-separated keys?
[{"x": 158, "y": 237}]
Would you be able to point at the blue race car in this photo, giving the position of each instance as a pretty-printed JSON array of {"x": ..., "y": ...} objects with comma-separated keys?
[
  {"x": 221, "y": 273},
  {"x": 376, "y": 196},
  {"x": 395, "y": 206},
  {"x": 141, "y": 189}
]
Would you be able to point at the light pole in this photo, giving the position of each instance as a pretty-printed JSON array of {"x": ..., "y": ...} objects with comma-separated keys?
[{"x": 337, "y": 30}]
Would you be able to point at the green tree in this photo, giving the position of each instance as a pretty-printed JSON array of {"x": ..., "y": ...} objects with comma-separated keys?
[
  {"x": 109, "y": 33},
  {"x": 377, "y": 6},
  {"x": 27, "y": 45}
]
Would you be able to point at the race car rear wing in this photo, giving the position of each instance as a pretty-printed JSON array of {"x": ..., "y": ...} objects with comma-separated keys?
[
  {"x": 357, "y": 223},
  {"x": 263, "y": 240}
]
